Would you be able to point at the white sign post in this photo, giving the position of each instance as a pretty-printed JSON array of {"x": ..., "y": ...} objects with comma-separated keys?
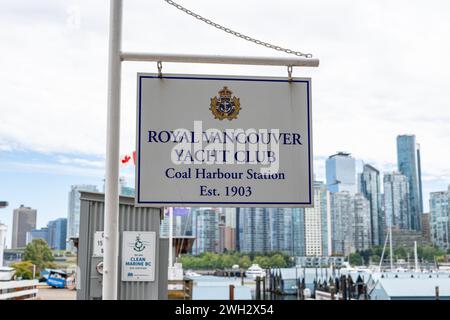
[
  {"x": 223, "y": 141},
  {"x": 138, "y": 256}
]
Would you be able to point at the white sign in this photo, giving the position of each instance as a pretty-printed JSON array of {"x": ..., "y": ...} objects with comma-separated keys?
[
  {"x": 99, "y": 237},
  {"x": 222, "y": 141},
  {"x": 138, "y": 256}
]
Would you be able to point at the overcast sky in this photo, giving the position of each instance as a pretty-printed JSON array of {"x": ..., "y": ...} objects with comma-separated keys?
[{"x": 384, "y": 71}]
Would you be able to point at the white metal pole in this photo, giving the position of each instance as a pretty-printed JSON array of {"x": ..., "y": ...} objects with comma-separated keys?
[
  {"x": 221, "y": 59},
  {"x": 2, "y": 243},
  {"x": 170, "y": 237},
  {"x": 111, "y": 226}
]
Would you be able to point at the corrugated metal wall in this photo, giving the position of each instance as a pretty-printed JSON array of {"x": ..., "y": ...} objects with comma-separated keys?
[{"x": 130, "y": 219}]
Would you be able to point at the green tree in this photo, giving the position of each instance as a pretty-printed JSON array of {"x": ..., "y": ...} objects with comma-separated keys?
[
  {"x": 24, "y": 270},
  {"x": 262, "y": 261},
  {"x": 375, "y": 259},
  {"x": 277, "y": 261},
  {"x": 355, "y": 259},
  {"x": 429, "y": 253},
  {"x": 245, "y": 262},
  {"x": 401, "y": 252},
  {"x": 39, "y": 254}
]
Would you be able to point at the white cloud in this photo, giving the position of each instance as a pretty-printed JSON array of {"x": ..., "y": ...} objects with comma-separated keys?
[
  {"x": 52, "y": 168},
  {"x": 81, "y": 162}
]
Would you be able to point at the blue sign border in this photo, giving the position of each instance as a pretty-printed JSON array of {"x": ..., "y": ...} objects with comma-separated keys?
[{"x": 138, "y": 198}]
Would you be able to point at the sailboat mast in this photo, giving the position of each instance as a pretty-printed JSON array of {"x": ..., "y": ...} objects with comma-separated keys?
[
  {"x": 390, "y": 247},
  {"x": 382, "y": 253},
  {"x": 416, "y": 260}
]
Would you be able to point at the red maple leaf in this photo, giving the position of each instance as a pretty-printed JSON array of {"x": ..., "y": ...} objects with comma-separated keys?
[{"x": 126, "y": 159}]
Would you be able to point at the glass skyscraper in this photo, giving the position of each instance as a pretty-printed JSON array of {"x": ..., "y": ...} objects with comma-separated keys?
[
  {"x": 361, "y": 223},
  {"x": 318, "y": 223},
  {"x": 73, "y": 216},
  {"x": 280, "y": 226},
  {"x": 57, "y": 234},
  {"x": 298, "y": 232},
  {"x": 369, "y": 186},
  {"x": 408, "y": 161},
  {"x": 342, "y": 216},
  {"x": 341, "y": 174},
  {"x": 254, "y": 230},
  {"x": 205, "y": 228},
  {"x": 396, "y": 200},
  {"x": 440, "y": 219}
]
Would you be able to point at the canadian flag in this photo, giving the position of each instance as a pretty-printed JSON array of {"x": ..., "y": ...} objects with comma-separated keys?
[{"x": 126, "y": 158}]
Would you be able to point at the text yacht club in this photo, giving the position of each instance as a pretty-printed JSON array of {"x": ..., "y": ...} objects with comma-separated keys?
[{"x": 202, "y": 173}]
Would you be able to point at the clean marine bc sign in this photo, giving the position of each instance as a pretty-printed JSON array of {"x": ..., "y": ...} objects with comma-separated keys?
[
  {"x": 138, "y": 256},
  {"x": 223, "y": 141}
]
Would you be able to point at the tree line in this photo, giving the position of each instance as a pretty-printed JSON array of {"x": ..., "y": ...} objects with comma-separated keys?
[
  {"x": 211, "y": 260},
  {"x": 425, "y": 253}
]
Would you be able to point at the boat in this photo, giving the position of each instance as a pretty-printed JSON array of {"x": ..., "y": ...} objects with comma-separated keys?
[
  {"x": 191, "y": 274},
  {"x": 7, "y": 273},
  {"x": 255, "y": 271}
]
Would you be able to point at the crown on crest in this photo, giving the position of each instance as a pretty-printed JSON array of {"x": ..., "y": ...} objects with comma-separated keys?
[{"x": 225, "y": 92}]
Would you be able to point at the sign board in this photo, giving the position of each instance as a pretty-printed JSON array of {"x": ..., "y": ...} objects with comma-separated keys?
[
  {"x": 99, "y": 238},
  {"x": 138, "y": 256},
  {"x": 222, "y": 141}
]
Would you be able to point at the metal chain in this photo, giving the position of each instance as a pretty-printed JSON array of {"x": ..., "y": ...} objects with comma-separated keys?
[{"x": 238, "y": 34}]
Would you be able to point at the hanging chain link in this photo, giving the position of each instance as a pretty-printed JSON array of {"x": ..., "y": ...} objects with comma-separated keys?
[{"x": 238, "y": 34}]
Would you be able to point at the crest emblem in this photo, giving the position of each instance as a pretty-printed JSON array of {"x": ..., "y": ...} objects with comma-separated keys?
[
  {"x": 138, "y": 245},
  {"x": 225, "y": 106}
]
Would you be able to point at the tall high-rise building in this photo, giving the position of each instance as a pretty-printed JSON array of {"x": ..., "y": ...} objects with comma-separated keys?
[
  {"x": 24, "y": 220},
  {"x": 205, "y": 227},
  {"x": 37, "y": 234},
  {"x": 124, "y": 190},
  {"x": 73, "y": 216},
  {"x": 254, "y": 230},
  {"x": 440, "y": 219},
  {"x": 369, "y": 186},
  {"x": 341, "y": 174},
  {"x": 426, "y": 226},
  {"x": 350, "y": 223},
  {"x": 227, "y": 229},
  {"x": 182, "y": 222},
  {"x": 342, "y": 216},
  {"x": 361, "y": 223},
  {"x": 408, "y": 161},
  {"x": 280, "y": 229},
  {"x": 298, "y": 232},
  {"x": 318, "y": 223},
  {"x": 396, "y": 200},
  {"x": 57, "y": 234}
]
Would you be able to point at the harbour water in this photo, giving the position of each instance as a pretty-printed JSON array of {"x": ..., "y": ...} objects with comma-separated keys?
[{"x": 218, "y": 288}]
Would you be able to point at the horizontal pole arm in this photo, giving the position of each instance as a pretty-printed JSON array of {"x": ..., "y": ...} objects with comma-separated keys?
[{"x": 218, "y": 59}]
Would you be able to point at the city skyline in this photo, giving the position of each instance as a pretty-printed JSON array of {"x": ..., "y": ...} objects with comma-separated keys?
[{"x": 98, "y": 183}]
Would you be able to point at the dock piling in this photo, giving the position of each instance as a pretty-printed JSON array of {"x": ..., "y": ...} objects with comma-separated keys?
[{"x": 231, "y": 292}]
